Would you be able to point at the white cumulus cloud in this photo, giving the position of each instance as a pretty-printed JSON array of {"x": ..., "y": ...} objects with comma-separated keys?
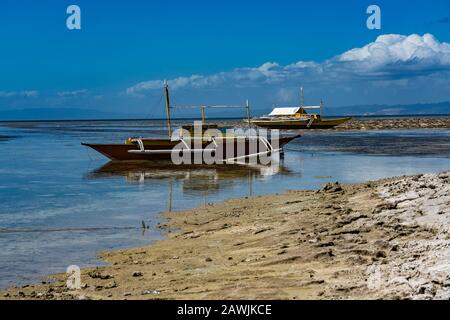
[
  {"x": 395, "y": 53},
  {"x": 25, "y": 93},
  {"x": 390, "y": 56},
  {"x": 269, "y": 72},
  {"x": 73, "y": 93}
]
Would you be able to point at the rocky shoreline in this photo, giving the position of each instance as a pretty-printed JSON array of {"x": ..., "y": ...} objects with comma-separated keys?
[
  {"x": 356, "y": 123},
  {"x": 396, "y": 123},
  {"x": 387, "y": 239}
]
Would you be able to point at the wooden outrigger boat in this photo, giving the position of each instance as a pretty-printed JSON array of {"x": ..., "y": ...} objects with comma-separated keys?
[
  {"x": 297, "y": 118},
  {"x": 225, "y": 148}
]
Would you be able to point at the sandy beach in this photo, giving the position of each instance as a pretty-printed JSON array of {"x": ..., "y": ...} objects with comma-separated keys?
[{"x": 385, "y": 239}]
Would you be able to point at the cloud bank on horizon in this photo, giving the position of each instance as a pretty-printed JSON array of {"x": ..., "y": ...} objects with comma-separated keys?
[
  {"x": 389, "y": 57},
  {"x": 23, "y": 93}
]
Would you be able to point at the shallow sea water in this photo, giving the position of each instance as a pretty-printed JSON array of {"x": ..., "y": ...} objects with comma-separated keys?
[{"x": 61, "y": 203}]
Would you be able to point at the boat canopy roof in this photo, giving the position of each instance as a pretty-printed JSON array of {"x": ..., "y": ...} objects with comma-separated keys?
[
  {"x": 311, "y": 107},
  {"x": 284, "y": 111}
]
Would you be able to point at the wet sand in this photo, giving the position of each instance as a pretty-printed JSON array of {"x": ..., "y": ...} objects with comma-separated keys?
[{"x": 378, "y": 240}]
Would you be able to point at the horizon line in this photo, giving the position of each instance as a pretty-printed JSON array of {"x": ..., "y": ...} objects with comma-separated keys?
[{"x": 225, "y": 118}]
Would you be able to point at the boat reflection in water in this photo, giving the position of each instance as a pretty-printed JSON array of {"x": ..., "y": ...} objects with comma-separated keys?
[{"x": 196, "y": 180}]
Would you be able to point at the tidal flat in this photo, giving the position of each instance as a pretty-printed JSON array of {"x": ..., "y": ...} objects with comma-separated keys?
[
  {"x": 384, "y": 239},
  {"x": 61, "y": 204}
]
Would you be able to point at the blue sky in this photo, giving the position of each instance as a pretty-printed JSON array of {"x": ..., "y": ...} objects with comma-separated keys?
[{"x": 124, "y": 44}]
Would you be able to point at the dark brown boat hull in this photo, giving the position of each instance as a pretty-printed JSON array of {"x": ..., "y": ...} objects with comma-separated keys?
[{"x": 121, "y": 152}]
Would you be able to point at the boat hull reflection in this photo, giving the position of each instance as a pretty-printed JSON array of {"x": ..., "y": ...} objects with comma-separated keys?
[{"x": 195, "y": 178}]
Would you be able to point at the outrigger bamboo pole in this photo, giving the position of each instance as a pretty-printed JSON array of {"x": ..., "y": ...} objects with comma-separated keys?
[{"x": 166, "y": 92}]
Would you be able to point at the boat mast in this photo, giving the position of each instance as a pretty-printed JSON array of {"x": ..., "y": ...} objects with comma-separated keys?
[
  {"x": 321, "y": 106},
  {"x": 166, "y": 92},
  {"x": 203, "y": 116},
  {"x": 247, "y": 108},
  {"x": 302, "y": 98}
]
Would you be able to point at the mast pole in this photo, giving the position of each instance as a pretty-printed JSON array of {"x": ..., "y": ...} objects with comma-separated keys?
[
  {"x": 302, "y": 97},
  {"x": 247, "y": 108},
  {"x": 321, "y": 106},
  {"x": 203, "y": 116},
  {"x": 166, "y": 92}
]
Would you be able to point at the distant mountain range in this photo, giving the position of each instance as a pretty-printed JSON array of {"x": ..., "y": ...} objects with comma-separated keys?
[
  {"x": 61, "y": 114},
  {"x": 90, "y": 114},
  {"x": 386, "y": 110}
]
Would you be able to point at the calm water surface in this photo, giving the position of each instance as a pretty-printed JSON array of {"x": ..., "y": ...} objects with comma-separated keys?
[{"x": 60, "y": 203}]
